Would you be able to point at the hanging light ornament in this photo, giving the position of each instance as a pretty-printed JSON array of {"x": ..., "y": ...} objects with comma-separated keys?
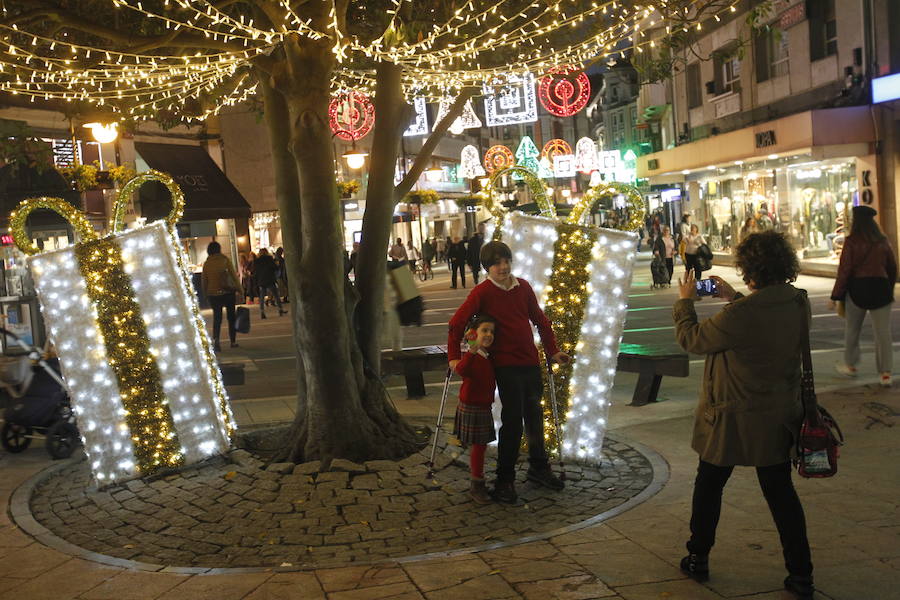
[
  {"x": 419, "y": 126},
  {"x": 555, "y": 147},
  {"x": 467, "y": 120},
  {"x": 565, "y": 91},
  {"x": 351, "y": 115},
  {"x": 498, "y": 157},
  {"x": 586, "y": 158},
  {"x": 470, "y": 163}
]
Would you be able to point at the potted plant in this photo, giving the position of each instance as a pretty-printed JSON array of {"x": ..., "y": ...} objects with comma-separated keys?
[
  {"x": 80, "y": 177},
  {"x": 346, "y": 189},
  {"x": 421, "y": 197},
  {"x": 468, "y": 200}
]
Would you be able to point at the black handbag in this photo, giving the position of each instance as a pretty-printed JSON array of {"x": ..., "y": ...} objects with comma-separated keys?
[{"x": 242, "y": 319}]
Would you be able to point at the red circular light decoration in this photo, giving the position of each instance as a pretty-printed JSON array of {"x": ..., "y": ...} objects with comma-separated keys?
[
  {"x": 562, "y": 92},
  {"x": 556, "y": 147},
  {"x": 498, "y": 157},
  {"x": 351, "y": 115}
]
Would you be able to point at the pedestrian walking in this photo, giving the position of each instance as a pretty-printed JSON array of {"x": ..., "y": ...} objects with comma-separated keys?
[
  {"x": 684, "y": 227},
  {"x": 474, "y": 424},
  {"x": 398, "y": 251},
  {"x": 692, "y": 243},
  {"x": 428, "y": 253},
  {"x": 354, "y": 256},
  {"x": 266, "y": 278},
  {"x": 248, "y": 279},
  {"x": 473, "y": 255},
  {"x": 219, "y": 284},
  {"x": 457, "y": 257},
  {"x": 517, "y": 367},
  {"x": 282, "y": 275},
  {"x": 413, "y": 255},
  {"x": 448, "y": 243},
  {"x": 664, "y": 247},
  {"x": 865, "y": 284},
  {"x": 749, "y": 411}
]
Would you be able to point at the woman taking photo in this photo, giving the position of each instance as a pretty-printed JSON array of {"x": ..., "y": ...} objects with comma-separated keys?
[
  {"x": 865, "y": 283},
  {"x": 750, "y": 411}
]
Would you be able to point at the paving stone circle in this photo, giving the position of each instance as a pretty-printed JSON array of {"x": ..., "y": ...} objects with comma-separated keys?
[{"x": 240, "y": 512}]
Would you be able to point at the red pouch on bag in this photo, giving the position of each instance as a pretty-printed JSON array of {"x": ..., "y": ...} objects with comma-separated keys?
[{"x": 818, "y": 448}]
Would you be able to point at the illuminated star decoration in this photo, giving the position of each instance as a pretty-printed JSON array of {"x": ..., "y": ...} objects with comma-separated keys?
[
  {"x": 467, "y": 120},
  {"x": 565, "y": 91},
  {"x": 510, "y": 100},
  {"x": 420, "y": 125},
  {"x": 351, "y": 115},
  {"x": 470, "y": 163}
]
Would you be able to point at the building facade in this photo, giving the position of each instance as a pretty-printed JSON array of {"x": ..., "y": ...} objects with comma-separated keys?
[{"x": 773, "y": 125}]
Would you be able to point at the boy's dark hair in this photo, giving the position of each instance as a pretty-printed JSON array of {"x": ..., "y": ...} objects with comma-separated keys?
[
  {"x": 214, "y": 248},
  {"x": 492, "y": 252}
]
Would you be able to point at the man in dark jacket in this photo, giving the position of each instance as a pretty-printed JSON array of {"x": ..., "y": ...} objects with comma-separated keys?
[
  {"x": 473, "y": 255},
  {"x": 456, "y": 254},
  {"x": 266, "y": 278}
]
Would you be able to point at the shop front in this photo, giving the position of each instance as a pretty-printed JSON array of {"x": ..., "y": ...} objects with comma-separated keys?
[{"x": 800, "y": 175}]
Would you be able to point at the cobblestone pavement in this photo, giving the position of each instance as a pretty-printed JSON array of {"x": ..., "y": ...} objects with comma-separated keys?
[{"x": 245, "y": 514}]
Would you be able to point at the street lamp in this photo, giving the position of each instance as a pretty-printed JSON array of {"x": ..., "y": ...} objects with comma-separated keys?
[
  {"x": 355, "y": 158},
  {"x": 434, "y": 174},
  {"x": 103, "y": 133}
]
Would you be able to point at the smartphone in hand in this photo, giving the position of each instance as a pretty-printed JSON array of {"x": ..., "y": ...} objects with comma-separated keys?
[{"x": 706, "y": 287}]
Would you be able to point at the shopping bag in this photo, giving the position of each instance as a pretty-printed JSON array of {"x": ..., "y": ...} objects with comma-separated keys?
[{"x": 242, "y": 320}]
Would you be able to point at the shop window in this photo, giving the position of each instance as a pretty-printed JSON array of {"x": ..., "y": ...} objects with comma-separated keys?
[
  {"x": 822, "y": 28},
  {"x": 694, "y": 95},
  {"x": 771, "y": 53}
]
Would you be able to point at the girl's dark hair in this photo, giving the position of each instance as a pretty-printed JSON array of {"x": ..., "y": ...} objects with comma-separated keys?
[
  {"x": 865, "y": 226},
  {"x": 477, "y": 320},
  {"x": 214, "y": 248},
  {"x": 492, "y": 252},
  {"x": 766, "y": 258}
]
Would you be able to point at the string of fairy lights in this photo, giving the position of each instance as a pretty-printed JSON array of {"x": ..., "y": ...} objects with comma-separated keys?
[{"x": 437, "y": 64}]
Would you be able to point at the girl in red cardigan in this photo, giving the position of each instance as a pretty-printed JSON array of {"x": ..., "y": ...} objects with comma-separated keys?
[{"x": 474, "y": 425}]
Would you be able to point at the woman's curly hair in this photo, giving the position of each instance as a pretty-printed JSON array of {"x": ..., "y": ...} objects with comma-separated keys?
[{"x": 766, "y": 258}]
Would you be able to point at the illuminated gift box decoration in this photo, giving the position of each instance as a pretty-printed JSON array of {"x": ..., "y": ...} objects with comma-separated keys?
[
  {"x": 581, "y": 275},
  {"x": 144, "y": 381}
]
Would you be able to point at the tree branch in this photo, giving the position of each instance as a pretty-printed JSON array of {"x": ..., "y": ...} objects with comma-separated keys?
[{"x": 424, "y": 155}]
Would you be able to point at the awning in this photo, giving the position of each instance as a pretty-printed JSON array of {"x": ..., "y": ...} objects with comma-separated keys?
[
  {"x": 27, "y": 182},
  {"x": 208, "y": 193}
]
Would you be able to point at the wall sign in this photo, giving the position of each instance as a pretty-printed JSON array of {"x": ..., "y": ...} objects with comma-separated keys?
[
  {"x": 764, "y": 139},
  {"x": 867, "y": 178}
]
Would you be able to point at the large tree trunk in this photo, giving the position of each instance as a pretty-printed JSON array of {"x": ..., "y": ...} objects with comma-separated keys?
[
  {"x": 344, "y": 414},
  {"x": 371, "y": 266}
]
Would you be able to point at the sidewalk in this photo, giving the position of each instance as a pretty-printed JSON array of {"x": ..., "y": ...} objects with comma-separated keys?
[{"x": 854, "y": 526}]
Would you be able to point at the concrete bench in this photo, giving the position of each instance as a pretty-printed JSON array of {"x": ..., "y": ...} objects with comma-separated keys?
[{"x": 650, "y": 361}]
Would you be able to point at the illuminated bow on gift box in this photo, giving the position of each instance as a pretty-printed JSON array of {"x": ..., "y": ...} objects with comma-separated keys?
[
  {"x": 578, "y": 252},
  {"x": 121, "y": 323},
  {"x": 78, "y": 220}
]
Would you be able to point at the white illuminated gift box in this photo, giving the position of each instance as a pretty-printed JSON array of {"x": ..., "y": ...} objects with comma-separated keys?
[
  {"x": 188, "y": 373},
  {"x": 604, "y": 302}
]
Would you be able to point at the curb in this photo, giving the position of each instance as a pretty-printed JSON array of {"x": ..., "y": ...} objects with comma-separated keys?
[{"x": 20, "y": 513}]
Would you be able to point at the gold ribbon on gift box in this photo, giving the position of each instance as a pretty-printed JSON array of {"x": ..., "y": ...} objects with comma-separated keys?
[
  {"x": 566, "y": 290},
  {"x": 121, "y": 323}
]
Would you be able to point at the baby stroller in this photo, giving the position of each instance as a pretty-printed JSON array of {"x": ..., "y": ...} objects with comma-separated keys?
[
  {"x": 659, "y": 272},
  {"x": 37, "y": 402}
]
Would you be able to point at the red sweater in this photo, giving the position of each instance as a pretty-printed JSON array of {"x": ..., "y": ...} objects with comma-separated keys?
[
  {"x": 862, "y": 258},
  {"x": 478, "y": 380},
  {"x": 515, "y": 310}
]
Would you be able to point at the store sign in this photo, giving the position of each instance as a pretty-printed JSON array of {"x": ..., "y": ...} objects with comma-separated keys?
[
  {"x": 885, "y": 89},
  {"x": 867, "y": 176},
  {"x": 652, "y": 164},
  {"x": 764, "y": 139},
  {"x": 6, "y": 240},
  {"x": 792, "y": 16}
]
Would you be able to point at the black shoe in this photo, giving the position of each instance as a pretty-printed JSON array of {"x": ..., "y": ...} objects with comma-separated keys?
[
  {"x": 452, "y": 287},
  {"x": 546, "y": 477},
  {"x": 505, "y": 491},
  {"x": 696, "y": 566},
  {"x": 234, "y": 344},
  {"x": 216, "y": 346},
  {"x": 262, "y": 315},
  {"x": 800, "y": 586},
  {"x": 282, "y": 312}
]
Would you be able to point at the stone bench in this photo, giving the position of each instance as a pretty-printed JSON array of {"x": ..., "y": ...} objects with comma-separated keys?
[{"x": 650, "y": 361}]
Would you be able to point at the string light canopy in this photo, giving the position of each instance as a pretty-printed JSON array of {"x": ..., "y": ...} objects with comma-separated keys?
[{"x": 166, "y": 55}]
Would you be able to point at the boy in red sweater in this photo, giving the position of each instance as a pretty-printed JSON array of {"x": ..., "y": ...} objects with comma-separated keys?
[
  {"x": 474, "y": 425},
  {"x": 517, "y": 369}
]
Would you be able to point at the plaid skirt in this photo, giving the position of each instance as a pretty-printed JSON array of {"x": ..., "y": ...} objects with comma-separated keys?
[{"x": 474, "y": 424}]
